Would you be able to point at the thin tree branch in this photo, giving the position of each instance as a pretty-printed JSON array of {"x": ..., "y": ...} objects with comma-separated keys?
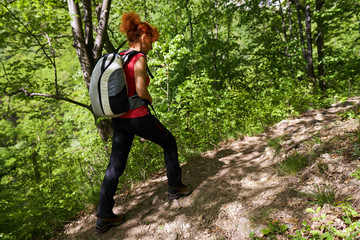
[
  {"x": 5, "y": 71},
  {"x": 108, "y": 44},
  {"x": 102, "y": 27},
  {"x": 42, "y": 46},
  {"x": 54, "y": 65},
  {"x": 27, "y": 29},
  {"x": 121, "y": 45},
  {"x": 357, "y": 17},
  {"x": 56, "y": 97},
  {"x": 61, "y": 36}
]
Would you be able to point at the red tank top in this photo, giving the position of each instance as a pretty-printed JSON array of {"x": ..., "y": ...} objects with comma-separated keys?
[{"x": 130, "y": 80}]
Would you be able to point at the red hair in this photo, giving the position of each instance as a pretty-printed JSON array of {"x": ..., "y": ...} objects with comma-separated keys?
[{"x": 134, "y": 28}]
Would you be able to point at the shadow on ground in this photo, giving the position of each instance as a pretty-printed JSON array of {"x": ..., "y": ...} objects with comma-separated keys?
[{"x": 235, "y": 187}]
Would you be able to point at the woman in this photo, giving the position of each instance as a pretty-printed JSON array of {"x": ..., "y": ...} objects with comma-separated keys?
[{"x": 137, "y": 122}]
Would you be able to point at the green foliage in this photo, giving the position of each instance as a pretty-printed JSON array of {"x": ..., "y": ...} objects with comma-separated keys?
[
  {"x": 47, "y": 176},
  {"x": 44, "y": 168},
  {"x": 322, "y": 166},
  {"x": 273, "y": 229},
  {"x": 356, "y": 174},
  {"x": 356, "y": 152},
  {"x": 323, "y": 195},
  {"x": 319, "y": 227},
  {"x": 348, "y": 210},
  {"x": 350, "y": 114},
  {"x": 275, "y": 143},
  {"x": 293, "y": 164},
  {"x": 326, "y": 229}
]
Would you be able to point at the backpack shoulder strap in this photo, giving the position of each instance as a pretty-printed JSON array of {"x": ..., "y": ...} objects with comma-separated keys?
[
  {"x": 104, "y": 58},
  {"x": 128, "y": 54}
]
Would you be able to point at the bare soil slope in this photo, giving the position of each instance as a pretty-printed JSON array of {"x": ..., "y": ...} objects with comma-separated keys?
[{"x": 238, "y": 186}]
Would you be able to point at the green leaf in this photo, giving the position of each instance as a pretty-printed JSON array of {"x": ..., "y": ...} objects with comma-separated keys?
[
  {"x": 315, "y": 233},
  {"x": 265, "y": 231},
  {"x": 310, "y": 210},
  {"x": 283, "y": 228}
]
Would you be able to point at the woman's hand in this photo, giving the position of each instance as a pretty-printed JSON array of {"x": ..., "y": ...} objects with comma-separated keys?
[{"x": 140, "y": 73}]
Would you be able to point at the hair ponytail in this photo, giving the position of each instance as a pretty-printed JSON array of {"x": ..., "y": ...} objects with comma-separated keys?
[{"x": 134, "y": 28}]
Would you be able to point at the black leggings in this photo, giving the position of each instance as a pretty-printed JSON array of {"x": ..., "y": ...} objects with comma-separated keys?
[{"x": 125, "y": 129}]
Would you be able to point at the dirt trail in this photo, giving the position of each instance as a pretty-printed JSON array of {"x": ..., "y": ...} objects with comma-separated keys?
[{"x": 237, "y": 186}]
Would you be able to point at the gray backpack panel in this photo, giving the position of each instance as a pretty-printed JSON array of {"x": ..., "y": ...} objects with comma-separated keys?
[{"x": 108, "y": 89}]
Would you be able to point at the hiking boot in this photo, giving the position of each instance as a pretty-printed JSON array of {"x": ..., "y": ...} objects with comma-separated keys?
[
  {"x": 104, "y": 224},
  {"x": 177, "y": 192}
]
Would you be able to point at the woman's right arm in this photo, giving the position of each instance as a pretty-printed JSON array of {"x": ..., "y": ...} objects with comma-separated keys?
[{"x": 140, "y": 74}]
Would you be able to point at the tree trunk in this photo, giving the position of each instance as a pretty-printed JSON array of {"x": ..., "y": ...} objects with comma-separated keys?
[
  {"x": 320, "y": 46},
  {"x": 213, "y": 54},
  {"x": 290, "y": 23},
  {"x": 215, "y": 37},
  {"x": 145, "y": 10},
  {"x": 101, "y": 29},
  {"x": 104, "y": 127},
  {"x": 300, "y": 27},
  {"x": 89, "y": 49},
  {"x": 35, "y": 164},
  {"x": 79, "y": 41},
  {"x": 89, "y": 39},
  {"x": 188, "y": 11},
  {"x": 307, "y": 50},
  {"x": 309, "y": 53},
  {"x": 283, "y": 21}
]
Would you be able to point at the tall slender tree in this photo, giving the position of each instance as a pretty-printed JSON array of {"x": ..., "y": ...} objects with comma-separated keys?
[
  {"x": 320, "y": 44},
  {"x": 89, "y": 47}
]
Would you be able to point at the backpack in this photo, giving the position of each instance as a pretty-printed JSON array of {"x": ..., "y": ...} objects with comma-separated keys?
[{"x": 108, "y": 89}]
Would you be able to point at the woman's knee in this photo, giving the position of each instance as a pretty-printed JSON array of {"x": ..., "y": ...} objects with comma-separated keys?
[
  {"x": 170, "y": 143},
  {"x": 114, "y": 171}
]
